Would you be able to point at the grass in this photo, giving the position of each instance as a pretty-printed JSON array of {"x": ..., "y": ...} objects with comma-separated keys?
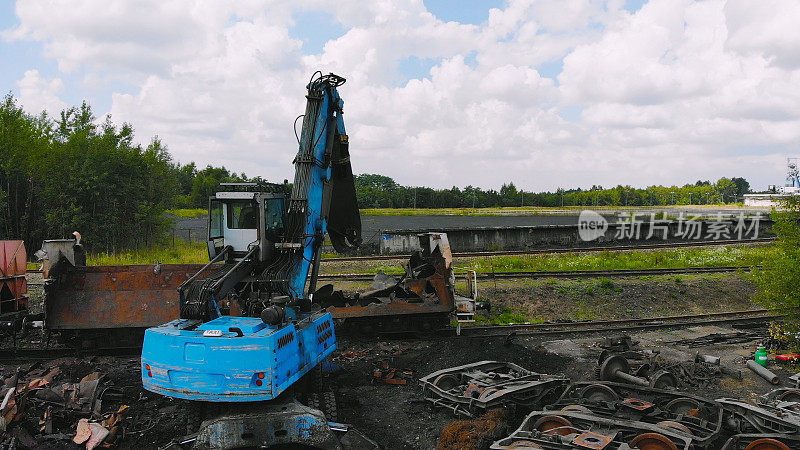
[
  {"x": 734, "y": 255},
  {"x": 182, "y": 253},
  {"x": 187, "y": 212},
  {"x": 609, "y": 260},
  {"x": 583, "y": 312},
  {"x": 195, "y": 253},
  {"x": 507, "y": 317},
  {"x": 606, "y": 283}
]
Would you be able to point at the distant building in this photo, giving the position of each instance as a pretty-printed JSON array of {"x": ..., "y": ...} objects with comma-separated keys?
[{"x": 771, "y": 199}]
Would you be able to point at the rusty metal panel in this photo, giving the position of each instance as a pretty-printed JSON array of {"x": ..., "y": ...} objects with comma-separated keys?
[
  {"x": 13, "y": 259},
  {"x": 115, "y": 296},
  {"x": 388, "y": 309},
  {"x": 17, "y": 287}
]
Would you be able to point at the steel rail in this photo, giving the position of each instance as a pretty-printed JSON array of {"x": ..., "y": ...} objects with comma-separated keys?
[
  {"x": 547, "y": 250},
  {"x": 562, "y": 250},
  {"x": 753, "y": 316},
  {"x": 541, "y": 329},
  {"x": 566, "y": 273},
  {"x": 27, "y": 353}
]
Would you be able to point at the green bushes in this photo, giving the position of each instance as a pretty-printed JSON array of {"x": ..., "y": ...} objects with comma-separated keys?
[
  {"x": 71, "y": 174},
  {"x": 779, "y": 280}
]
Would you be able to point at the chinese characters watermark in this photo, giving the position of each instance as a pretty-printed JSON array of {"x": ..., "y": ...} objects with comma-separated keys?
[{"x": 636, "y": 226}]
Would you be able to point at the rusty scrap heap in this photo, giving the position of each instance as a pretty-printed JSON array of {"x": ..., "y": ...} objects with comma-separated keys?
[{"x": 610, "y": 415}]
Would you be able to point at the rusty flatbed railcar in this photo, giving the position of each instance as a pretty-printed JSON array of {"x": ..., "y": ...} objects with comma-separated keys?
[{"x": 97, "y": 297}]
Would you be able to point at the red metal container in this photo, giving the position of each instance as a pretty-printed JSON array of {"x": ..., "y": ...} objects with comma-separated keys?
[
  {"x": 13, "y": 285},
  {"x": 13, "y": 259}
]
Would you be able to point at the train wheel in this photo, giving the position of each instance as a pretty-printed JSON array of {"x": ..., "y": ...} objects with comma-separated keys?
[
  {"x": 596, "y": 393},
  {"x": 767, "y": 444},
  {"x": 366, "y": 328},
  {"x": 554, "y": 425},
  {"x": 576, "y": 408},
  {"x": 790, "y": 396},
  {"x": 653, "y": 441}
]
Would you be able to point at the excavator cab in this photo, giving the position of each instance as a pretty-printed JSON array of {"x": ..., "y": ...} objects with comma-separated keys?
[{"x": 243, "y": 217}]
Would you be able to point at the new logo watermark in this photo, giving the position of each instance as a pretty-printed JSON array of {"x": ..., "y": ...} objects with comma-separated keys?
[
  {"x": 591, "y": 225},
  {"x": 635, "y": 226}
]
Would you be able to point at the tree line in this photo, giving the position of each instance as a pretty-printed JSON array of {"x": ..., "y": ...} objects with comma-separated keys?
[
  {"x": 74, "y": 173},
  {"x": 71, "y": 173},
  {"x": 379, "y": 191}
]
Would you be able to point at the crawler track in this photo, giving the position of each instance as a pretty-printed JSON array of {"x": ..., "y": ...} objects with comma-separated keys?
[
  {"x": 748, "y": 316},
  {"x": 568, "y": 273},
  {"x": 565, "y": 250}
]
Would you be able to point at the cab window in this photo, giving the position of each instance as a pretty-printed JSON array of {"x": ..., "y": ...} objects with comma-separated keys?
[
  {"x": 215, "y": 218},
  {"x": 242, "y": 214},
  {"x": 273, "y": 209}
]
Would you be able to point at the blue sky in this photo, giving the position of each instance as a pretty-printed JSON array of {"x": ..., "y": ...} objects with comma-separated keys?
[
  {"x": 314, "y": 28},
  {"x": 548, "y": 94}
]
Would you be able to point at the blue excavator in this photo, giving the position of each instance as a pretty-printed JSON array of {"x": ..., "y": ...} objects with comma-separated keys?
[{"x": 248, "y": 329}]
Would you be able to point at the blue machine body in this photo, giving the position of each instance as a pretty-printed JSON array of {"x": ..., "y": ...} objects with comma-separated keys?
[
  {"x": 193, "y": 361},
  {"x": 243, "y": 359}
]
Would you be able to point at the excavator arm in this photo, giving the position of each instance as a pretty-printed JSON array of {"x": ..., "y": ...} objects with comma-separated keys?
[
  {"x": 277, "y": 261},
  {"x": 323, "y": 183}
]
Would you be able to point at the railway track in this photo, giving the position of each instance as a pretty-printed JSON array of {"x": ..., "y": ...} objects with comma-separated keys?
[
  {"x": 549, "y": 250},
  {"x": 747, "y": 316},
  {"x": 542, "y": 329},
  {"x": 563, "y": 250},
  {"x": 27, "y": 354},
  {"x": 566, "y": 273}
]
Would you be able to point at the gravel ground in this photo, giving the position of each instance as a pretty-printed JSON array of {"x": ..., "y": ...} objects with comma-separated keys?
[{"x": 35, "y": 292}]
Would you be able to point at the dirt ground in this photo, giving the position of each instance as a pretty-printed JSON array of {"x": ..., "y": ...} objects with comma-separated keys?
[
  {"x": 393, "y": 415},
  {"x": 558, "y": 299},
  {"x": 618, "y": 298}
]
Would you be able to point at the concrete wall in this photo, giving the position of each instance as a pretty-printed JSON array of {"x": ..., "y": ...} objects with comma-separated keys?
[
  {"x": 769, "y": 200},
  {"x": 566, "y": 236}
]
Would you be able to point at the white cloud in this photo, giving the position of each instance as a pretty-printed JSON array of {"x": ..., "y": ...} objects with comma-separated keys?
[
  {"x": 677, "y": 91},
  {"x": 39, "y": 94}
]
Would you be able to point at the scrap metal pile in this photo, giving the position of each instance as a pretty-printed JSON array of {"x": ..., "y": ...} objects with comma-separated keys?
[
  {"x": 55, "y": 403},
  {"x": 484, "y": 385},
  {"x": 614, "y": 415},
  {"x": 624, "y": 360}
]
